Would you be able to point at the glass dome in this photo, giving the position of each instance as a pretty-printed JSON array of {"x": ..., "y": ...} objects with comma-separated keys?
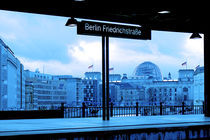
[{"x": 148, "y": 70}]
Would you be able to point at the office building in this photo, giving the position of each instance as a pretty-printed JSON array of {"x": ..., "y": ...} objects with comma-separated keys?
[
  {"x": 43, "y": 92},
  {"x": 12, "y": 80}
]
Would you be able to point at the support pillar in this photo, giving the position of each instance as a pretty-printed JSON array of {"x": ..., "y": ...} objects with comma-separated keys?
[
  {"x": 206, "y": 73},
  {"x": 105, "y": 77}
]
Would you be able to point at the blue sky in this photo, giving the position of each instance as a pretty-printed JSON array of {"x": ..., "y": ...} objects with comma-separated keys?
[{"x": 42, "y": 41}]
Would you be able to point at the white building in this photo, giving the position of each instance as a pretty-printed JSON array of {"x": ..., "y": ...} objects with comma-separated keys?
[
  {"x": 199, "y": 86},
  {"x": 169, "y": 92},
  {"x": 114, "y": 77},
  {"x": 74, "y": 89},
  {"x": 12, "y": 80},
  {"x": 45, "y": 91},
  {"x": 128, "y": 94},
  {"x": 93, "y": 75}
]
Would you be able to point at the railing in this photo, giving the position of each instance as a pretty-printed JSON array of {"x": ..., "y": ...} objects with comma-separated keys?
[{"x": 84, "y": 111}]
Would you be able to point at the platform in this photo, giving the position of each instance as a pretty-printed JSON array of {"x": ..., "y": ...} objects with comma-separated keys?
[{"x": 87, "y": 125}]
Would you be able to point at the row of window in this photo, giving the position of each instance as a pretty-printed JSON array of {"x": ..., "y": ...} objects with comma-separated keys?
[
  {"x": 164, "y": 90},
  {"x": 50, "y": 92},
  {"x": 42, "y": 77},
  {"x": 50, "y": 102},
  {"x": 168, "y": 98},
  {"x": 165, "y": 94},
  {"x": 52, "y": 97},
  {"x": 88, "y": 90},
  {"x": 42, "y": 86}
]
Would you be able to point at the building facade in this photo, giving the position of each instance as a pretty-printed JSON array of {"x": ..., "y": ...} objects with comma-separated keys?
[
  {"x": 128, "y": 94},
  {"x": 30, "y": 98},
  {"x": 74, "y": 89},
  {"x": 189, "y": 88},
  {"x": 93, "y": 75},
  {"x": 90, "y": 93},
  {"x": 199, "y": 86},
  {"x": 43, "y": 91},
  {"x": 114, "y": 77},
  {"x": 12, "y": 80},
  {"x": 148, "y": 87}
]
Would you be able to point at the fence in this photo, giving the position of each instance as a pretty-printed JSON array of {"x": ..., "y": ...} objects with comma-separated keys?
[{"x": 84, "y": 111}]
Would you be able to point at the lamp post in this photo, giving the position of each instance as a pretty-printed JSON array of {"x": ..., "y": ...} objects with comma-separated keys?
[
  {"x": 195, "y": 35},
  {"x": 71, "y": 22}
]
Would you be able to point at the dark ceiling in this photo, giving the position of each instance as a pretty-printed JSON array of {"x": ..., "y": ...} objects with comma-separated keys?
[{"x": 187, "y": 19}]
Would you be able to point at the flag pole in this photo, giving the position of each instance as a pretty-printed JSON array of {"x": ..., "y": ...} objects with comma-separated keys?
[{"x": 186, "y": 63}]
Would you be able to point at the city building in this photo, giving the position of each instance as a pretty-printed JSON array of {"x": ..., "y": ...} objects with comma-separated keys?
[
  {"x": 43, "y": 91},
  {"x": 92, "y": 90},
  {"x": 148, "y": 87},
  {"x": 199, "y": 86},
  {"x": 168, "y": 91},
  {"x": 114, "y": 77},
  {"x": 124, "y": 94},
  {"x": 128, "y": 94},
  {"x": 12, "y": 80},
  {"x": 90, "y": 93},
  {"x": 74, "y": 90},
  {"x": 93, "y": 75},
  {"x": 30, "y": 98}
]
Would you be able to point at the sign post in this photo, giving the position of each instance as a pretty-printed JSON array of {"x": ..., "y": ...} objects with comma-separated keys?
[{"x": 107, "y": 30}]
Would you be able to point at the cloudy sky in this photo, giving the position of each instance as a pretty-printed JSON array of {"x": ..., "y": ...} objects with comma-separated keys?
[{"x": 43, "y": 42}]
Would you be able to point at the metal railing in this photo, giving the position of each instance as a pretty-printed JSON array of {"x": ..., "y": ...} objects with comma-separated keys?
[{"x": 119, "y": 111}]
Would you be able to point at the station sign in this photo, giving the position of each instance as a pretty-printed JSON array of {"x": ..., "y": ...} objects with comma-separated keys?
[{"x": 113, "y": 30}]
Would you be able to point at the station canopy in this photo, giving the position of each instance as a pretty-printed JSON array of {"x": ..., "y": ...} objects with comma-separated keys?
[{"x": 192, "y": 17}]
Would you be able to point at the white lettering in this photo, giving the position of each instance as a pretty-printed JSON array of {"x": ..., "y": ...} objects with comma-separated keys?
[
  {"x": 113, "y": 29},
  {"x": 104, "y": 28},
  {"x": 94, "y": 27},
  {"x": 86, "y": 26}
]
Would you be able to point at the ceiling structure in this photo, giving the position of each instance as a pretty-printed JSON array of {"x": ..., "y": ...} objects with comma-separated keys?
[{"x": 188, "y": 19}]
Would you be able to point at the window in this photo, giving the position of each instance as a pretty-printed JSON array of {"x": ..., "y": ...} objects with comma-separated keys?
[
  {"x": 165, "y": 89},
  {"x": 140, "y": 73},
  {"x": 185, "y": 97},
  {"x": 185, "y": 89}
]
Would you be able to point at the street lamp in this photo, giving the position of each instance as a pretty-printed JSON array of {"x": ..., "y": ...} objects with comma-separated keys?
[
  {"x": 195, "y": 36},
  {"x": 71, "y": 22}
]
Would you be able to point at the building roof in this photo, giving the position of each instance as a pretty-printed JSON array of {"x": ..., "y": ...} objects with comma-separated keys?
[
  {"x": 6, "y": 47},
  {"x": 186, "y": 70},
  {"x": 124, "y": 85},
  {"x": 2, "y": 42},
  {"x": 148, "y": 70},
  {"x": 199, "y": 70}
]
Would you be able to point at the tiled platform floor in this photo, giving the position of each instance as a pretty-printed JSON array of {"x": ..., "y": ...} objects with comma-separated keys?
[{"x": 72, "y": 125}]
